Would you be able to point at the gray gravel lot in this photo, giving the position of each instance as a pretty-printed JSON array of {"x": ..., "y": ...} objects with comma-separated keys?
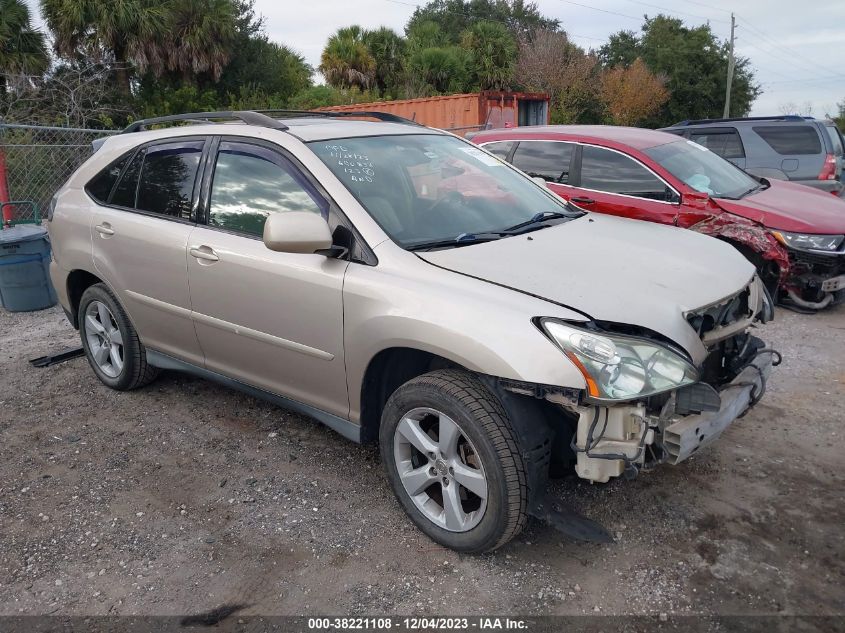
[{"x": 185, "y": 495}]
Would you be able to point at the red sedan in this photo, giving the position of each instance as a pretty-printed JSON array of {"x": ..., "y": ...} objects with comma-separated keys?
[{"x": 794, "y": 234}]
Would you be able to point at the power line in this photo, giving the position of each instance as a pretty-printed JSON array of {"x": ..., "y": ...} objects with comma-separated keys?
[
  {"x": 587, "y": 6},
  {"x": 763, "y": 36},
  {"x": 586, "y": 37},
  {"x": 707, "y": 6},
  {"x": 774, "y": 52},
  {"x": 782, "y": 89},
  {"x": 795, "y": 81},
  {"x": 674, "y": 11}
]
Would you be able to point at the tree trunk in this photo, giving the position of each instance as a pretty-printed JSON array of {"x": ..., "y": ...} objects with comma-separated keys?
[{"x": 121, "y": 72}]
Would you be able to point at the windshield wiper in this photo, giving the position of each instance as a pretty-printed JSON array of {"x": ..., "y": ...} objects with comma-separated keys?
[
  {"x": 749, "y": 191},
  {"x": 464, "y": 239},
  {"x": 539, "y": 218}
]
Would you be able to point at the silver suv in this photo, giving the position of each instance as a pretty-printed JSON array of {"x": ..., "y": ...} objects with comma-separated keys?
[
  {"x": 404, "y": 286},
  {"x": 803, "y": 150}
]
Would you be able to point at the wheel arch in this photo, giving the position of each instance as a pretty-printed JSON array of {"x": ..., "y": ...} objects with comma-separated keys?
[
  {"x": 78, "y": 281},
  {"x": 754, "y": 241},
  {"x": 537, "y": 422},
  {"x": 387, "y": 371},
  {"x": 769, "y": 266}
]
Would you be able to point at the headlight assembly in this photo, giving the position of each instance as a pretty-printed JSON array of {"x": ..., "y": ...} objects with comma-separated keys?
[
  {"x": 620, "y": 367},
  {"x": 808, "y": 242}
]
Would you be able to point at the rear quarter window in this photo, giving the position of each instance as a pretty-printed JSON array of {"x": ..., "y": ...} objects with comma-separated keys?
[
  {"x": 127, "y": 188},
  {"x": 835, "y": 138},
  {"x": 790, "y": 139},
  {"x": 100, "y": 186}
]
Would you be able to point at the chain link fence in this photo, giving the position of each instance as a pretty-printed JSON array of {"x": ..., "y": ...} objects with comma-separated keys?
[{"x": 35, "y": 161}]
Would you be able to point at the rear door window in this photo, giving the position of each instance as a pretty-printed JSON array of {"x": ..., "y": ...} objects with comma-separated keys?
[
  {"x": 545, "y": 159},
  {"x": 612, "y": 172},
  {"x": 725, "y": 143},
  {"x": 166, "y": 185},
  {"x": 789, "y": 140}
]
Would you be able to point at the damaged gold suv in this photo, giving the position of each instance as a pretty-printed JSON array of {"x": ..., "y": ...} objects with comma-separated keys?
[{"x": 404, "y": 286}]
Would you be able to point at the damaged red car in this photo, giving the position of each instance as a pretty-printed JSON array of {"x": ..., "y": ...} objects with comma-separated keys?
[{"x": 795, "y": 235}]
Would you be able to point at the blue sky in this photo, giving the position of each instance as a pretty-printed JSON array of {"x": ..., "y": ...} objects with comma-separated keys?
[{"x": 797, "y": 50}]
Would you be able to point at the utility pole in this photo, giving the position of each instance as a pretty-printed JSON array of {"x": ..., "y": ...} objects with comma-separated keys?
[{"x": 727, "y": 112}]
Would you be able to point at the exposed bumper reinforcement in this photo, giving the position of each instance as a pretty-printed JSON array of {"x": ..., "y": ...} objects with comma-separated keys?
[
  {"x": 686, "y": 436},
  {"x": 833, "y": 284}
]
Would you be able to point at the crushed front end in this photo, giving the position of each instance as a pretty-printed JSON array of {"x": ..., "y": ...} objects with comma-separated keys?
[{"x": 668, "y": 426}]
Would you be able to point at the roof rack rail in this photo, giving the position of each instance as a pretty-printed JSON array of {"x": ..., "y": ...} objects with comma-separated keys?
[
  {"x": 783, "y": 117},
  {"x": 246, "y": 116},
  {"x": 332, "y": 114}
]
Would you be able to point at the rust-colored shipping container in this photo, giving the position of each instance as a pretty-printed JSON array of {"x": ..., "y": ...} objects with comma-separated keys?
[{"x": 464, "y": 113}]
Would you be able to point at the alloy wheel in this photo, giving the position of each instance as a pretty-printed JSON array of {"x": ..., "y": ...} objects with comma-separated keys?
[
  {"x": 440, "y": 469},
  {"x": 105, "y": 342}
]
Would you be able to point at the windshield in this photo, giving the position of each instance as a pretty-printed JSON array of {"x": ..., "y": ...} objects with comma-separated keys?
[
  {"x": 703, "y": 170},
  {"x": 425, "y": 188}
]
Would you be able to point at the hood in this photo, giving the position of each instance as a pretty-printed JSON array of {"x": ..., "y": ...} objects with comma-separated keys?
[
  {"x": 791, "y": 207},
  {"x": 612, "y": 269}
]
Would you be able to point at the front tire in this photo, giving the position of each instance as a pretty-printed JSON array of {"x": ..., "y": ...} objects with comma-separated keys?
[
  {"x": 111, "y": 343},
  {"x": 453, "y": 461}
]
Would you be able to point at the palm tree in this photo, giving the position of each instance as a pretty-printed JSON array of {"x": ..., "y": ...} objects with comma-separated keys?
[
  {"x": 437, "y": 70},
  {"x": 493, "y": 51},
  {"x": 346, "y": 61},
  {"x": 388, "y": 51},
  {"x": 197, "y": 38},
  {"x": 122, "y": 29},
  {"x": 22, "y": 48}
]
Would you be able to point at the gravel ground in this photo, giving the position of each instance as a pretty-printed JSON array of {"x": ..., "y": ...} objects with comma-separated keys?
[{"x": 184, "y": 496}]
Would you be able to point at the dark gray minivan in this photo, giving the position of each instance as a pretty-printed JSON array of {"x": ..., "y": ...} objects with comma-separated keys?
[{"x": 804, "y": 150}]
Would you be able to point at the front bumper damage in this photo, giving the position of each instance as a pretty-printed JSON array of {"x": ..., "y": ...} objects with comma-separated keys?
[
  {"x": 560, "y": 427},
  {"x": 809, "y": 280},
  {"x": 685, "y": 435},
  {"x": 816, "y": 280},
  {"x": 614, "y": 440}
]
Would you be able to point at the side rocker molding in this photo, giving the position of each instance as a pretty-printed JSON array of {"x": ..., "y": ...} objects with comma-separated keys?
[{"x": 347, "y": 429}]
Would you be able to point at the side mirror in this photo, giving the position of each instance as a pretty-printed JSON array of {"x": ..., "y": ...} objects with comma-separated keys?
[{"x": 297, "y": 232}]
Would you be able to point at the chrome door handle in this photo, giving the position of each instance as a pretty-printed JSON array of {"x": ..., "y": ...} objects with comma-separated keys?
[
  {"x": 204, "y": 252},
  {"x": 104, "y": 229}
]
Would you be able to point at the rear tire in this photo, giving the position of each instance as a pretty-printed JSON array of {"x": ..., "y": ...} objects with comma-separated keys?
[
  {"x": 453, "y": 461},
  {"x": 111, "y": 343}
]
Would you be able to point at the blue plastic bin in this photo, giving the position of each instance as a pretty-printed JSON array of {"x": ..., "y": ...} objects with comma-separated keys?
[{"x": 25, "y": 269}]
